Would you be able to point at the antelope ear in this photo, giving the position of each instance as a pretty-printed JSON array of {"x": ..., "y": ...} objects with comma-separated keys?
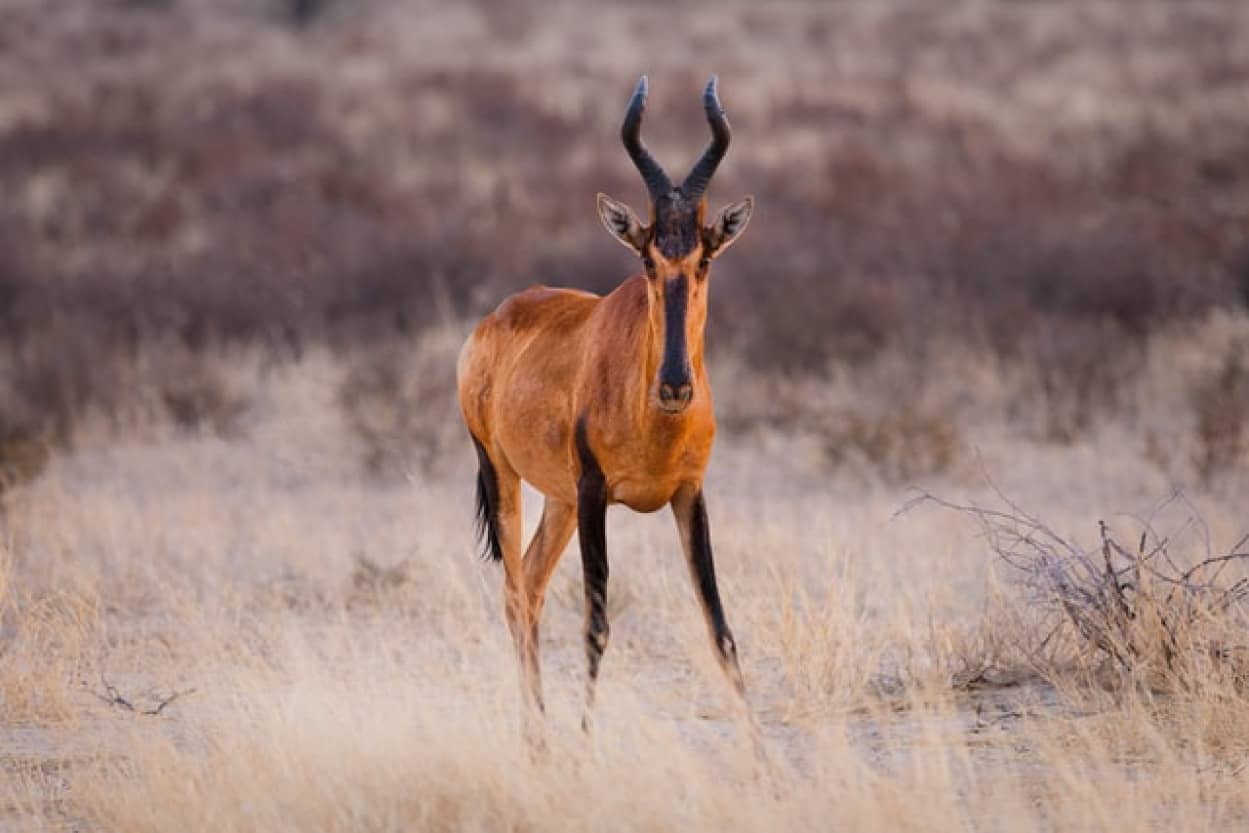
[
  {"x": 623, "y": 224},
  {"x": 726, "y": 228}
]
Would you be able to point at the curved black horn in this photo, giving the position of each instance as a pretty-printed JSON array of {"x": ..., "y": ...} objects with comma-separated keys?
[
  {"x": 657, "y": 182},
  {"x": 705, "y": 167}
]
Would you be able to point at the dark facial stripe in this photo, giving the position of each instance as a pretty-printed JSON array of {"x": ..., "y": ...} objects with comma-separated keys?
[{"x": 675, "y": 368}]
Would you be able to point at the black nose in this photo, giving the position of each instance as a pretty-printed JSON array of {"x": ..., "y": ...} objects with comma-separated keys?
[{"x": 678, "y": 395}]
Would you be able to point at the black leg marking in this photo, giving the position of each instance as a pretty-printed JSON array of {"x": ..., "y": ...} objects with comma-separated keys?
[
  {"x": 592, "y": 530},
  {"x": 690, "y": 509},
  {"x": 703, "y": 571},
  {"x": 487, "y": 505}
]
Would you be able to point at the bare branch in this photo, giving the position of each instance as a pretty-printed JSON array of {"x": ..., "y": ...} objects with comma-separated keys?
[{"x": 112, "y": 697}]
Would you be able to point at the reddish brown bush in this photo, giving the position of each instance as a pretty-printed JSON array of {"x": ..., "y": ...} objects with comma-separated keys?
[{"x": 209, "y": 190}]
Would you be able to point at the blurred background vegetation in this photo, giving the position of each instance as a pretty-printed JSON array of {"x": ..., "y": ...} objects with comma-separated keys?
[{"x": 1052, "y": 191}]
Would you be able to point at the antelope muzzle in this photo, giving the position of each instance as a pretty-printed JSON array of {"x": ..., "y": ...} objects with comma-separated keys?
[{"x": 675, "y": 398}]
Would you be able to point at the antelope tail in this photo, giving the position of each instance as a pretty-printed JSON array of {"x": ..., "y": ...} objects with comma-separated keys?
[{"x": 487, "y": 506}]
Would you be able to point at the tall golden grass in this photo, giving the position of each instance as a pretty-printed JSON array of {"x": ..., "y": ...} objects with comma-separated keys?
[{"x": 340, "y": 662}]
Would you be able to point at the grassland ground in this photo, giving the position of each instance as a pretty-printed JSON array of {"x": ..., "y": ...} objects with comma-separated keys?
[
  {"x": 1000, "y": 254},
  {"x": 340, "y": 662}
]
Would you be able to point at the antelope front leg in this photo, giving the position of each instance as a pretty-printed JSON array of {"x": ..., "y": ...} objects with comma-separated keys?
[
  {"x": 691, "y": 513},
  {"x": 592, "y": 531}
]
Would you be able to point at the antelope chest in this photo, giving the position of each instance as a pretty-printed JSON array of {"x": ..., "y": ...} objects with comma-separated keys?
[{"x": 645, "y": 476}]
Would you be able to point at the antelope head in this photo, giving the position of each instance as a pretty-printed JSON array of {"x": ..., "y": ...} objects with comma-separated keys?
[{"x": 676, "y": 247}]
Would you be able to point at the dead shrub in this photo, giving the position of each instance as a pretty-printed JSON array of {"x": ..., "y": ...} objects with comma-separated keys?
[
  {"x": 401, "y": 404},
  {"x": 1220, "y": 404},
  {"x": 1138, "y": 614},
  {"x": 73, "y": 370},
  {"x": 898, "y": 444},
  {"x": 57, "y": 374},
  {"x": 24, "y": 448},
  {"x": 197, "y": 392},
  {"x": 1081, "y": 369},
  {"x": 289, "y": 209},
  {"x": 46, "y": 384}
]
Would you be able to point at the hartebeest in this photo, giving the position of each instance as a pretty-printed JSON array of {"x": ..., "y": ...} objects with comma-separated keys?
[{"x": 600, "y": 400}]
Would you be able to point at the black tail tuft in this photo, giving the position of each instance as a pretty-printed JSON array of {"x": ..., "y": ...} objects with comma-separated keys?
[{"x": 487, "y": 506}]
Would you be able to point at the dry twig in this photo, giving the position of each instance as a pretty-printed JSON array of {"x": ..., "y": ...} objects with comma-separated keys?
[{"x": 113, "y": 697}]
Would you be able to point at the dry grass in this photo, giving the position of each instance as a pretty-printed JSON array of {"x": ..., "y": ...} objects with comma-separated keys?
[
  {"x": 341, "y": 661},
  {"x": 47, "y": 638},
  {"x": 240, "y": 246}
]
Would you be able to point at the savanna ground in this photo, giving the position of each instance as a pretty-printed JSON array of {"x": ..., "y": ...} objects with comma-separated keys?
[{"x": 1000, "y": 260}]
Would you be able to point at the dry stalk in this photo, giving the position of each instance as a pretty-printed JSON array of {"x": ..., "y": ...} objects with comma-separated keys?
[{"x": 113, "y": 697}]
